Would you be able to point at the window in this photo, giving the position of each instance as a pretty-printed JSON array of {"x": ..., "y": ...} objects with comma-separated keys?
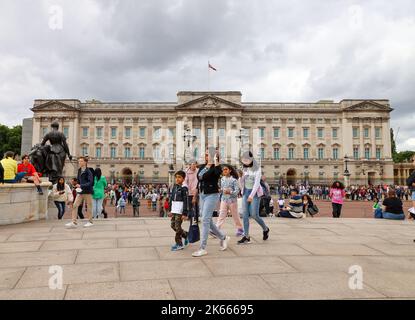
[
  {"x": 66, "y": 131},
  {"x": 127, "y": 152},
  {"x": 276, "y": 133},
  {"x": 262, "y": 153},
  {"x": 367, "y": 153},
  {"x": 366, "y": 132},
  {"x": 306, "y": 153},
  {"x": 156, "y": 133},
  {"x": 171, "y": 132},
  {"x": 261, "y": 133},
  {"x": 98, "y": 152},
  {"x": 320, "y": 153},
  {"x": 156, "y": 153},
  {"x": 378, "y": 153},
  {"x": 355, "y": 133},
  {"x": 305, "y": 133},
  {"x": 142, "y": 132},
  {"x": 141, "y": 153},
  {"x": 291, "y": 153},
  {"x": 290, "y": 132},
  {"x": 113, "y": 152},
  {"x": 335, "y": 153},
  {"x": 276, "y": 153},
  {"x": 196, "y": 153},
  {"x": 128, "y": 132},
  {"x": 336, "y": 175},
  {"x": 222, "y": 152},
  {"x": 196, "y": 132},
  {"x": 334, "y": 132},
  {"x": 356, "y": 153},
  {"x": 44, "y": 131},
  {"x": 84, "y": 151},
  {"x": 321, "y": 176},
  {"x": 320, "y": 133},
  {"x": 99, "y": 132},
  {"x": 85, "y": 132},
  {"x": 210, "y": 132},
  {"x": 113, "y": 133},
  {"x": 222, "y": 133},
  {"x": 378, "y": 133}
]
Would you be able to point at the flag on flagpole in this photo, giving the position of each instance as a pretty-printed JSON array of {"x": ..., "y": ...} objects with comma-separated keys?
[{"x": 211, "y": 67}]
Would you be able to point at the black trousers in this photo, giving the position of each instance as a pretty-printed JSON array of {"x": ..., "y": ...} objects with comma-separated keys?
[
  {"x": 80, "y": 214},
  {"x": 337, "y": 209}
]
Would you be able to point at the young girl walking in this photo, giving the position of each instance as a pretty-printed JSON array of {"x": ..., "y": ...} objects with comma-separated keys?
[{"x": 229, "y": 201}]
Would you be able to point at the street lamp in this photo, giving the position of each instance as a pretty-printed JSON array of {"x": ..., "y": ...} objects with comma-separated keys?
[
  {"x": 171, "y": 169},
  {"x": 346, "y": 173}
]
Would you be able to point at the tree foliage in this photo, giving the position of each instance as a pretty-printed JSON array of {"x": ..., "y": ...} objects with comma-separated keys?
[{"x": 10, "y": 139}]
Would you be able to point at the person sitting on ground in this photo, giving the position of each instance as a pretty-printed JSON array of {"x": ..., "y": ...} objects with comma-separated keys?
[
  {"x": 10, "y": 169},
  {"x": 377, "y": 208},
  {"x": 30, "y": 173},
  {"x": 281, "y": 203},
  {"x": 307, "y": 203},
  {"x": 294, "y": 208},
  {"x": 392, "y": 207}
]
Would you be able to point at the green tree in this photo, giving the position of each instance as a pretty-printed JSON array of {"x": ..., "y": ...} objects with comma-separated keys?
[
  {"x": 393, "y": 145},
  {"x": 10, "y": 139}
]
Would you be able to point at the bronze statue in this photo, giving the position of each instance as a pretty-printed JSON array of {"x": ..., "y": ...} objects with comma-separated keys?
[{"x": 50, "y": 159}]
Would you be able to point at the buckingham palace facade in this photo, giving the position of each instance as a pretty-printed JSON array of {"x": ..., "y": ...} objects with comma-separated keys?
[{"x": 295, "y": 142}]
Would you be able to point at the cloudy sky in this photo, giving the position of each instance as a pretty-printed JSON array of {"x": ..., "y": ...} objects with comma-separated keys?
[{"x": 147, "y": 50}]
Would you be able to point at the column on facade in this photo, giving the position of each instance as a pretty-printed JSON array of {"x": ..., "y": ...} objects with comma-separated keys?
[
  {"x": 75, "y": 141},
  {"x": 229, "y": 137},
  {"x": 386, "y": 139},
  {"x": 373, "y": 138},
  {"x": 36, "y": 131},
  {"x": 362, "y": 144},
  {"x": 215, "y": 132},
  {"x": 179, "y": 141},
  {"x": 202, "y": 139},
  {"x": 347, "y": 137}
]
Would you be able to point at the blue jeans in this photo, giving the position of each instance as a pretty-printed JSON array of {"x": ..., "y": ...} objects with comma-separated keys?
[
  {"x": 17, "y": 178},
  {"x": 393, "y": 216},
  {"x": 208, "y": 203},
  {"x": 61, "y": 209},
  {"x": 286, "y": 214},
  {"x": 251, "y": 209},
  {"x": 413, "y": 196}
]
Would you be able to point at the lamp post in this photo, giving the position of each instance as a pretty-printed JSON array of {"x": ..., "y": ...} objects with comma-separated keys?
[
  {"x": 346, "y": 173},
  {"x": 189, "y": 138},
  {"x": 171, "y": 169}
]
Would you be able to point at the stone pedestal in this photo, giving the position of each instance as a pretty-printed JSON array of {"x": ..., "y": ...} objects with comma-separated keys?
[{"x": 20, "y": 202}]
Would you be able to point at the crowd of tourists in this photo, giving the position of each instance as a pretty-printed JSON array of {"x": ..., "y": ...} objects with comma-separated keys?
[{"x": 205, "y": 191}]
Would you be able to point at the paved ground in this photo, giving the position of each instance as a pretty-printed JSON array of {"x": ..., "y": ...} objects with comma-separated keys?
[
  {"x": 351, "y": 209},
  {"x": 131, "y": 259}
]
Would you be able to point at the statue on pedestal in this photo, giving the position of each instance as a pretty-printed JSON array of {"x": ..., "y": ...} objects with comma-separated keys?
[{"x": 50, "y": 159}]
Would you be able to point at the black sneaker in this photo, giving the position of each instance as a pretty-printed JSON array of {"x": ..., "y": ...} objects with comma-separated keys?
[
  {"x": 265, "y": 233},
  {"x": 244, "y": 240}
]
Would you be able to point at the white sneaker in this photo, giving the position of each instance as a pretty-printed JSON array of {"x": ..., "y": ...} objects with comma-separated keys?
[
  {"x": 88, "y": 224},
  {"x": 71, "y": 225},
  {"x": 411, "y": 210},
  {"x": 199, "y": 253},
  {"x": 224, "y": 243}
]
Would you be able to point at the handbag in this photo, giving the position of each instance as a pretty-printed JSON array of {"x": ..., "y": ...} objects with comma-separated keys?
[
  {"x": 194, "y": 233},
  {"x": 313, "y": 210}
]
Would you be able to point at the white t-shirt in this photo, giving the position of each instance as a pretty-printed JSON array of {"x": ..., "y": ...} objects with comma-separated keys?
[{"x": 154, "y": 197}]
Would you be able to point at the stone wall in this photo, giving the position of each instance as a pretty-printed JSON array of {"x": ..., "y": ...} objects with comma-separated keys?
[{"x": 20, "y": 202}]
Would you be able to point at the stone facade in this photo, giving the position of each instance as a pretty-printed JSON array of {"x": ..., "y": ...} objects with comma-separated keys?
[{"x": 297, "y": 141}]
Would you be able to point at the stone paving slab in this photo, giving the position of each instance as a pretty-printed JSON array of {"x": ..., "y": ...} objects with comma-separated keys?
[
  {"x": 323, "y": 285},
  {"x": 130, "y": 258},
  {"x": 131, "y": 290},
  {"x": 36, "y": 277}
]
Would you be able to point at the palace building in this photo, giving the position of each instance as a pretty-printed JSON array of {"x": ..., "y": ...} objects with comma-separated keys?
[{"x": 294, "y": 142}]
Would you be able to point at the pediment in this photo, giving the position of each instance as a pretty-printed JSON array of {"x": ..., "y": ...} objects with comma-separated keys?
[
  {"x": 54, "y": 105},
  {"x": 368, "y": 106},
  {"x": 209, "y": 102}
]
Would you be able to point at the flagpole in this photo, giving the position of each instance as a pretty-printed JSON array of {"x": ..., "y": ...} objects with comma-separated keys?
[{"x": 208, "y": 76}]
